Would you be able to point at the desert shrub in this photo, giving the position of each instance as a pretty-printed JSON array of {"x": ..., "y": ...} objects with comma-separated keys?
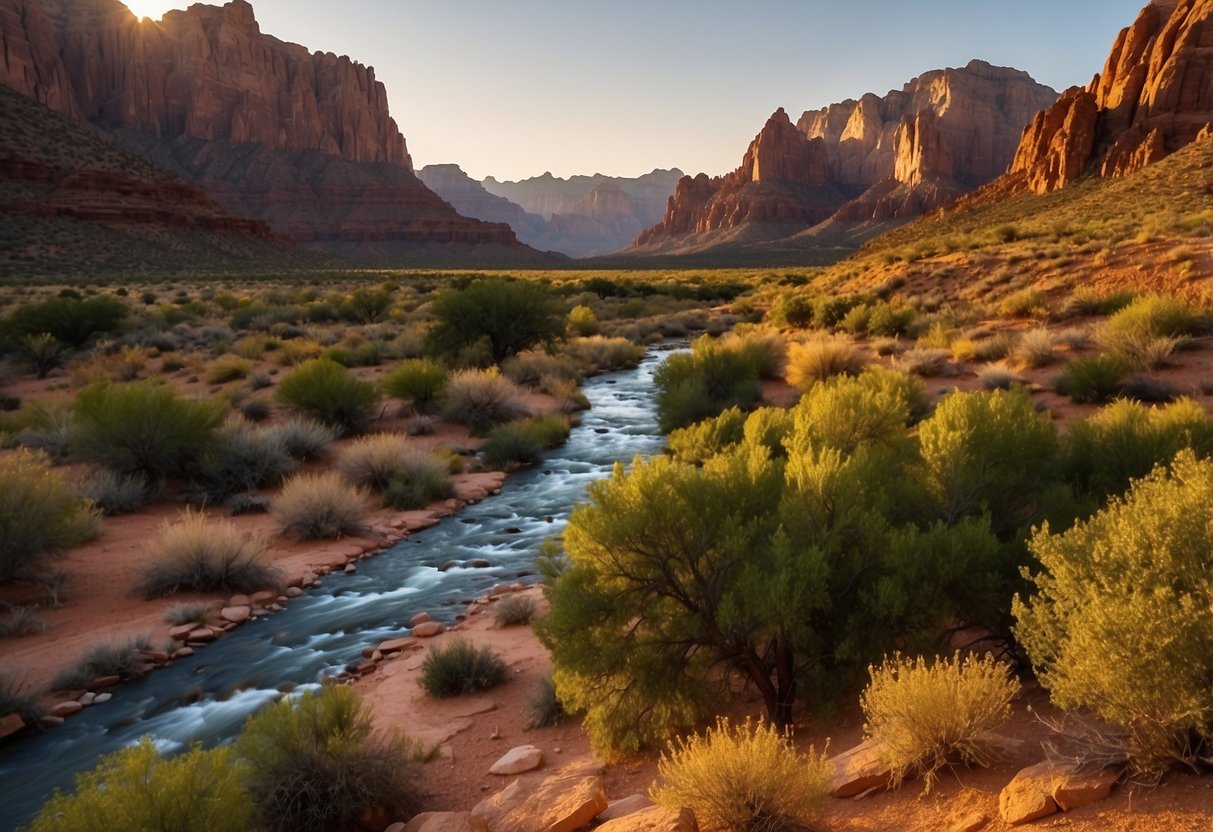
[
  {"x": 1158, "y": 315},
  {"x": 927, "y": 363},
  {"x": 242, "y": 458},
  {"x": 1141, "y": 566},
  {"x": 926, "y": 715},
  {"x": 114, "y": 493},
  {"x": 701, "y": 441},
  {"x": 994, "y": 348},
  {"x": 887, "y": 320},
  {"x": 509, "y": 315},
  {"x": 205, "y": 556},
  {"x": 1144, "y": 388},
  {"x": 1094, "y": 379},
  {"x": 228, "y": 368},
  {"x": 600, "y": 354},
  {"x": 255, "y": 410},
  {"x": 513, "y": 610},
  {"x": 521, "y": 443},
  {"x": 742, "y": 778},
  {"x": 1026, "y": 303},
  {"x": 328, "y": 392},
  {"x": 855, "y": 322},
  {"x": 19, "y": 620},
  {"x": 122, "y": 658},
  {"x": 416, "y": 380},
  {"x": 816, "y": 360},
  {"x": 17, "y": 698},
  {"x": 938, "y": 336},
  {"x": 997, "y": 377},
  {"x": 699, "y": 385},
  {"x": 844, "y": 412},
  {"x": 461, "y": 668},
  {"x": 315, "y": 764},
  {"x": 1141, "y": 348},
  {"x": 481, "y": 399},
  {"x": 582, "y": 321},
  {"x": 544, "y": 706},
  {"x": 302, "y": 438},
  {"x": 765, "y": 352},
  {"x": 420, "y": 478},
  {"x": 533, "y": 367},
  {"x": 314, "y": 506},
  {"x": 791, "y": 311},
  {"x": 1034, "y": 348},
  {"x": 143, "y": 429},
  {"x": 69, "y": 320},
  {"x": 373, "y": 461},
  {"x": 769, "y": 428},
  {"x": 41, "y": 516},
  {"x": 138, "y": 789},
  {"x": 41, "y": 351},
  {"x": 365, "y": 305},
  {"x": 191, "y": 613}
]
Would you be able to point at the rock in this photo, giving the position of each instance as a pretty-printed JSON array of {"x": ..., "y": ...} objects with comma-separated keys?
[
  {"x": 419, "y": 618},
  {"x": 293, "y": 591},
  {"x": 67, "y": 708},
  {"x": 478, "y": 563},
  {"x": 239, "y": 601},
  {"x": 10, "y": 724},
  {"x": 182, "y": 631},
  {"x": 264, "y": 596},
  {"x": 201, "y": 635},
  {"x": 398, "y": 645},
  {"x": 444, "y": 822},
  {"x": 428, "y": 629},
  {"x": 104, "y": 682},
  {"x": 156, "y": 656},
  {"x": 971, "y": 823},
  {"x": 562, "y": 803},
  {"x": 653, "y": 819},
  {"x": 87, "y": 698},
  {"x": 183, "y": 652},
  {"x": 1029, "y": 795},
  {"x": 517, "y": 760},
  {"x": 236, "y": 615},
  {"x": 859, "y": 770},
  {"x": 625, "y": 806},
  {"x": 1074, "y": 790},
  {"x": 50, "y": 721},
  {"x": 102, "y": 698}
]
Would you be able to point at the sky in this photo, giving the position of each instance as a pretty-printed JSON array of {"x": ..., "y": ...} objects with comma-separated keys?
[{"x": 514, "y": 88}]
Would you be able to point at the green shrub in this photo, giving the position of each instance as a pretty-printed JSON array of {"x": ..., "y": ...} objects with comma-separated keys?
[
  {"x": 582, "y": 321},
  {"x": 304, "y": 439},
  {"x": 1093, "y": 379},
  {"x": 1141, "y": 566},
  {"x": 600, "y": 354},
  {"x": 509, "y": 315},
  {"x": 315, "y": 764},
  {"x": 143, "y": 429},
  {"x": 69, "y": 320},
  {"x": 535, "y": 367},
  {"x": 330, "y": 393},
  {"x": 1151, "y": 315},
  {"x": 205, "y": 556},
  {"x": 108, "y": 658},
  {"x": 742, "y": 778},
  {"x": 1034, "y": 348},
  {"x": 372, "y": 461},
  {"x": 114, "y": 493},
  {"x": 845, "y": 412},
  {"x": 544, "y": 706},
  {"x": 18, "y": 698},
  {"x": 522, "y": 443},
  {"x": 1026, "y": 303},
  {"x": 416, "y": 380},
  {"x": 460, "y": 668},
  {"x": 228, "y": 368},
  {"x": 317, "y": 506},
  {"x": 137, "y": 789},
  {"x": 481, "y": 399},
  {"x": 701, "y": 441},
  {"x": 927, "y": 363},
  {"x": 925, "y": 716},
  {"x": 42, "y": 351},
  {"x": 886, "y": 320},
  {"x": 242, "y": 458},
  {"x": 765, "y": 352},
  {"x": 815, "y": 361},
  {"x": 41, "y": 516},
  {"x": 513, "y": 610},
  {"x": 711, "y": 379}
]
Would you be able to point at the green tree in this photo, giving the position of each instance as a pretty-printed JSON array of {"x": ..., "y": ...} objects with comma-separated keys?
[
  {"x": 1122, "y": 619},
  {"x": 510, "y": 315},
  {"x": 136, "y": 789}
]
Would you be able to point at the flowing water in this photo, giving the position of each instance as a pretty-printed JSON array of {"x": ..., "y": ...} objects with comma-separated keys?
[{"x": 207, "y": 697}]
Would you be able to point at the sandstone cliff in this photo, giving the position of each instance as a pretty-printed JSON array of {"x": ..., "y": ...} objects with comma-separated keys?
[
  {"x": 862, "y": 161},
  {"x": 1154, "y": 96},
  {"x": 301, "y": 140},
  {"x": 471, "y": 199}
]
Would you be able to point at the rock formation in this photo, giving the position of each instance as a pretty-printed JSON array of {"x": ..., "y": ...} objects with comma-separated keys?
[
  {"x": 872, "y": 159},
  {"x": 471, "y": 199},
  {"x": 301, "y": 140},
  {"x": 1154, "y": 96}
]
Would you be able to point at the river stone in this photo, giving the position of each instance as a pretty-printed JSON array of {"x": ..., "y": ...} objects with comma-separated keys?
[
  {"x": 102, "y": 698},
  {"x": 241, "y": 600},
  {"x": 653, "y": 819},
  {"x": 67, "y": 708},
  {"x": 517, "y": 760},
  {"x": 293, "y": 592},
  {"x": 87, "y": 698},
  {"x": 398, "y": 645},
  {"x": 236, "y": 615},
  {"x": 478, "y": 563},
  {"x": 419, "y": 618},
  {"x": 201, "y": 634},
  {"x": 182, "y": 631},
  {"x": 105, "y": 682},
  {"x": 443, "y": 822},
  {"x": 10, "y": 724},
  {"x": 563, "y": 803},
  {"x": 428, "y": 629}
]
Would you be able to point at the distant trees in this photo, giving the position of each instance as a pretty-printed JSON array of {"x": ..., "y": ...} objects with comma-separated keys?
[{"x": 508, "y": 315}]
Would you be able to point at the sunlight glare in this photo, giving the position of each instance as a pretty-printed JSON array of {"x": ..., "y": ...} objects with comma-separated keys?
[{"x": 154, "y": 9}]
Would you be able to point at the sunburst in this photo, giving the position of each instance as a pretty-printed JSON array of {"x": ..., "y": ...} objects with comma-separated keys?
[{"x": 154, "y": 9}]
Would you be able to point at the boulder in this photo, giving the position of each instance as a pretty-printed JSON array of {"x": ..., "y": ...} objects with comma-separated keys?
[
  {"x": 562, "y": 803},
  {"x": 445, "y": 822},
  {"x": 398, "y": 645},
  {"x": 67, "y": 708},
  {"x": 858, "y": 770},
  {"x": 182, "y": 631},
  {"x": 236, "y": 615},
  {"x": 517, "y": 760},
  {"x": 653, "y": 819},
  {"x": 625, "y": 806},
  {"x": 1079, "y": 789},
  {"x": 428, "y": 629},
  {"x": 1029, "y": 795},
  {"x": 419, "y": 618}
]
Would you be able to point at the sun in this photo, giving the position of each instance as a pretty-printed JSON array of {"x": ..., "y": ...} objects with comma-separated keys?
[{"x": 154, "y": 9}]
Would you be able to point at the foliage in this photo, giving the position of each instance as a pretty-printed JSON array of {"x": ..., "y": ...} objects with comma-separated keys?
[
  {"x": 924, "y": 716},
  {"x": 1151, "y": 315},
  {"x": 545, "y": 707},
  {"x": 15, "y": 698},
  {"x": 600, "y": 354},
  {"x": 330, "y": 393},
  {"x": 205, "y": 556},
  {"x": 815, "y": 361},
  {"x": 699, "y": 385},
  {"x": 137, "y": 789},
  {"x": 416, "y": 380},
  {"x": 317, "y": 506},
  {"x": 122, "y": 658},
  {"x": 1094, "y": 379},
  {"x": 701, "y": 441},
  {"x": 242, "y": 458},
  {"x": 481, "y": 399},
  {"x": 1034, "y": 348},
  {"x": 41, "y": 516},
  {"x": 229, "y": 368},
  {"x": 510, "y": 315},
  {"x": 316, "y": 765},
  {"x": 582, "y": 321},
  {"x": 743, "y": 778},
  {"x": 421, "y": 479},
  {"x": 71, "y": 321},
  {"x": 43, "y": 351},
  {"x": 114, "y": 493},
  {"x": 142, "y": 428},
  {"x": 302, "y": 438},
  {"x": 845, "y": 412},
  {"x": 512, "y": 610},
  {"x": 461, "y": 668},
  {"x": 1141, "y": 566},
  {"x": 522, "y": 443}
]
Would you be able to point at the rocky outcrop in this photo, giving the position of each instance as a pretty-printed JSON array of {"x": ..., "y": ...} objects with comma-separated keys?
[
  {"x": 300, "y": 140},
  {"x": 1154, "y": 96},
  {"x": 471, "y": 199},
  {"x": 868, "y": 160}
]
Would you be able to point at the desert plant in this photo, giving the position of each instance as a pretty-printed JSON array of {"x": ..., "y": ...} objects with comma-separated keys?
[
  {"x": 742, "y": 778},
  {"x": 997, "y": 377},
  {"x": 316, "y": 765},
  {"x": 313, "y": 506},
  {"x": 43, "y": 351},
  {"x": 123, "y": 658},
  {"x": 18, "y": 698},
  {"x": 206, "y": 556},
  {"x": 533, "y": 367},
  {"x": 925, "y": 362},
  {"x": 138, "y": 789},
  {"x": 1151, "y": 315},
  {"x": 192, "y": 613},
  {"x": 816, "y": 360},
  {"x": 522, "y": 443},
  {"x": 701, "y": 441},
  {"x": 228, "y": 368},
  {"x": 544, "y": 706},
  {"x": 20, "y": 620},
  {"x": 330, "y": 393},
  {"x": 114, "y": 493},
  {"x": 600, "y": 354},
  {"x": 1034, "y": 349},
  {"x": 1096, "y": 379},
  {"x": 481, "y": 399},
  {"x": 242, "y": 458},
  {"x": 513, "y": 610},
  {"x": 143, "y": 429},
  {"x": 41, "y": 516},
  {"x": 924, "y": 716},
  {"x": 461, "y": 668},
  {"x": 1026, "y": 303},
  {"x": 373, "y": 461},
  {"x": 1144, "y": 388},
  {"x": 509, "y": 315},
  {"x": 416, "y": 380},
  {"x": 303, "y": 438},
  {"x": 70, "y": 320},
  {"x": 699, "y": 385}
]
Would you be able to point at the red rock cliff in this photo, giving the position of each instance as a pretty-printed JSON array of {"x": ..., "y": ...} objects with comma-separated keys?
[{"x": 1154, "y": 96}]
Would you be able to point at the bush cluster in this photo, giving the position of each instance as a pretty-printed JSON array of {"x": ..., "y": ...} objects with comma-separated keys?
[
  {"x": 461, "y": 668},
  {"x": 205, "y": 555},
  {"x": 330, "y": 393},
  {"x": 41, "y": 516}
]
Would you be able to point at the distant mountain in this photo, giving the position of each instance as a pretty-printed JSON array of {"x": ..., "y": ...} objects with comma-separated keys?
[
  {"x": 853, "y": 168},
  {"x": 301, "y": 140}
]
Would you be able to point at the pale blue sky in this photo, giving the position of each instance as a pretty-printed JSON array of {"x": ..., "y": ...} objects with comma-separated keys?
[{"x": 514, "y": 89}]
